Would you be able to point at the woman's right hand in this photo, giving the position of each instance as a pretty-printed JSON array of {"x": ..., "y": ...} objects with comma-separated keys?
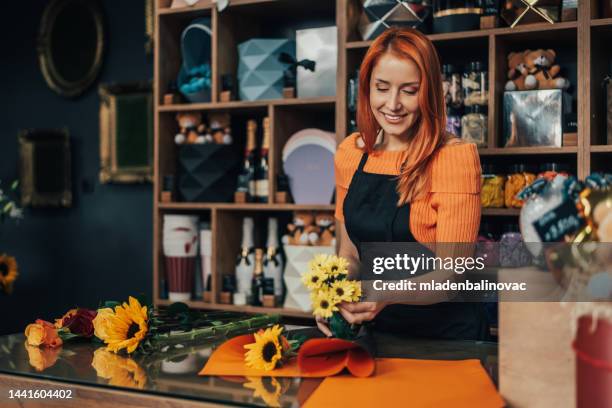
[{"x": 322, "y": 325}]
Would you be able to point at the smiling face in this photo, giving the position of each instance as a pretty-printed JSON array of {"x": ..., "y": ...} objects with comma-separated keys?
[{"x": 394, "y": 89}]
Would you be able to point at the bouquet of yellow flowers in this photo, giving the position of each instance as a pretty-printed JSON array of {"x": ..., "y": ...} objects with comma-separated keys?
[{"x": 329, "y": 285}]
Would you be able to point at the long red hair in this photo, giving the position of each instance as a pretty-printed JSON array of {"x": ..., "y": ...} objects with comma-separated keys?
[{"x": 428, "y": 128}]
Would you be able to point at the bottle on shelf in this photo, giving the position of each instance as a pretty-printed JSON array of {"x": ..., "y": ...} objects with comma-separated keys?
[
  {"x": 262, "y": 169},
  {"x": 257, "y": 283},
  {"x": 245, "y": 263},
  {"x": 246, "y": 179},
  {"x": 273, "y": 263}
]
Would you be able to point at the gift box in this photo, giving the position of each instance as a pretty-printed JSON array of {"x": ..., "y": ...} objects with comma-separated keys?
[
  {"x": 321, "y": 46},
  {"x": 261, "y": 68},
  {"x": 533, "y": 11},
  {"x": 533, "y": 118},
  {"x": 298, "y": 257},
  {"x": 194, "y": 79},
  {"x": 378, "y": 15},
  {"x": 208, "y": 172},
  {"x": 449, "y": 17}
]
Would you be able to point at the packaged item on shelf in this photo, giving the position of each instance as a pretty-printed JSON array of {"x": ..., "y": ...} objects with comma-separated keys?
[
  {"x": 487, "y": 247},
  {"x": 453, "y": 122},
  {"x": 269, "y": 298},
  {"x": 206, "y": 259},
  {"x": 245, "y": 262},
  {"x": 451, "y": 86},
  {"x": 228, "y": 88},
  {"x": 492, "y": 187},
  {"x": 319, "y": 45},
  {"x": 529, "y": 12},
  {"x": 262, "y": 169},
  {"x": 533, "y": 118},
  {"x": 273, "y": 262},
  {"x": 257, "y": 280},
  {"x": 490, "y": 17},
  {"x": 520, "y": 176},
  {"x": 475, "y": 85},
  {"x": 245, "y": 190},
  {"x": 569, "y": 10},
  {"x": 456, "y": 15},
  {"x": 261, "y": 71},
  {"x": 378, "y": 15},
  {"x": 180, "y": 247},
  {"x": 550, "y": 170},
  {"x": 513, "y": 252},
  {"x": 474, "y": 125},
  {"x": 194, "y": 78},
  {"x": 228, "y": 287}
]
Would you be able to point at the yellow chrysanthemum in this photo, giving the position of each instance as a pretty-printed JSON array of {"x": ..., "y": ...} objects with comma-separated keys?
[
  {"x": 314, "y": 279},
  {"x": 120, "y": 371},
  {"x": 101, "y": 322},
  {"x": 342, "y": 291},
  {"x": 269, "y": 389},
  {"x": 337, "y": 266},
  {"x": 267, "y": 351},
  {"x": 8, "y": 272},
  {"x": 324, "y": 304},
  {"x": 319, "y": 262},
  {"x": 356, "y": 295},
  {"x": 127, "y": 327}
]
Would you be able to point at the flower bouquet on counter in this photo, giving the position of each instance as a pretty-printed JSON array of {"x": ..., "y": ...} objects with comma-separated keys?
[
  {"x": 137, "y": 328},
  {"x": 329, "y": 285}
]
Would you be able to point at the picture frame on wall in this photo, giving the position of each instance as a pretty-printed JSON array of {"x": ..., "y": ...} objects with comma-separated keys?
[
  {"x": 45, "y": 168},
  {"x": 126, "y": 133}
]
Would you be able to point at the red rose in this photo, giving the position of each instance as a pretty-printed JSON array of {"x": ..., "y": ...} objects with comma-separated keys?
[{"x": 80, "y": 322}]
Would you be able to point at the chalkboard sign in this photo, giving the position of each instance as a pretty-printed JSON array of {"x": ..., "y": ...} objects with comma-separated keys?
[{"x": 560, "y": 221}]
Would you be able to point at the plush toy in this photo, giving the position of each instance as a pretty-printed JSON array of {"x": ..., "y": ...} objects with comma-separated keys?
[
  {"x": 327, "y": 228},
  {"x": 541, "y": 66},
  {"x": 191, "y": 128},
  {"x": 302, "y": 231},
  {"x": 220, "y": 128},
  {"x": 517, "y": 73}
]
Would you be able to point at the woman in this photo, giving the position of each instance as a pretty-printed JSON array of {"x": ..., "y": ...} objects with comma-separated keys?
[{"x": 403, "y": 178}]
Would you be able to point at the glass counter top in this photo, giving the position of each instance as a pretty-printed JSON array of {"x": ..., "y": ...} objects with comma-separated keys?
[{"x": 90, "y": 364}]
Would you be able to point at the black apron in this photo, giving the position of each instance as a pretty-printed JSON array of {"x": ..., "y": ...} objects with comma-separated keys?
[{"x": 371, "y": 214}]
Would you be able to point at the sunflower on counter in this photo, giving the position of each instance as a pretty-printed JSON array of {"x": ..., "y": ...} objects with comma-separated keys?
[
  {"x": 8, "y": 273},
  {"x": 269, "y": 389},
  {"x": 120, "y": 371},
  {"x": 269, "y": 350},
  {"x": 123, "y": 328}
]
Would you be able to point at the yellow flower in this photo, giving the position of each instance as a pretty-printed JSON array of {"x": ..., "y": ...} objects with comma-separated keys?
[
  {"x": 126, "y": 328},
  {"x": 8, "y": 272},
  {"x": 319, "y": 262},
  {"x": 324, "y": 304},
  {"x": 120, "y": 371},
  {"x": 314, "y": 279},
  {"x": 42, "y": 358},
  {"x": 269, "y": 389},
  {"x": 101, "y": 322},
  {"x": 342, "y": 290},
  {"x": 356, "y": 295},
  {"x": 337, "y": 266},
  {"x": 267, "y": 351}
]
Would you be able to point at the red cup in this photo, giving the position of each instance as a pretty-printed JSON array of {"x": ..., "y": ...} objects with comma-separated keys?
[
  {"x": 593, "y": 363},
  {"x": 180, "y": 275}
]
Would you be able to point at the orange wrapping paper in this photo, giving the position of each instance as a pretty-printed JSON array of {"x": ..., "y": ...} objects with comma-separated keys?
[{"x": 411, "y": 383}]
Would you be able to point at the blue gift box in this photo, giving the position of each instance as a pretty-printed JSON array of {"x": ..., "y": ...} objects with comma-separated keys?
[{"x": 260, "y": 72}]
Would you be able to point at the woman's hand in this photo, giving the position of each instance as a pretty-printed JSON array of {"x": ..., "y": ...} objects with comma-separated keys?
[
  {"x": 322, "y": 325},
  {"x": 357, "y": 313}
]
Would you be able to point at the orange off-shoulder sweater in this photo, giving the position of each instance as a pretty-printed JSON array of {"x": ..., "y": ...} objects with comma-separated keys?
[{"x": 449, "y": 212}]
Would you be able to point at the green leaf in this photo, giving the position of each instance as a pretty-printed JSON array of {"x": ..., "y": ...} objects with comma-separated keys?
[
  {"x": 14, "y": 185},
  {"x": 340, "y": 328},
  {"x": 178, "y": 307},
  {"x": 110, "y": 304}
]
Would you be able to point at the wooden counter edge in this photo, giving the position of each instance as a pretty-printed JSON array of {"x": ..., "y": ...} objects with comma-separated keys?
[{"x": 85, "y": 396}]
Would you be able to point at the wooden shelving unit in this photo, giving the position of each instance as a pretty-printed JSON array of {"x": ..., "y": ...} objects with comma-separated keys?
[{"x": 581, "y": 46}]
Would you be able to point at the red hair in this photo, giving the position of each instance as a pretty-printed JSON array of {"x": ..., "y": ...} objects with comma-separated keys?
[{"x": 429, "y": 126}]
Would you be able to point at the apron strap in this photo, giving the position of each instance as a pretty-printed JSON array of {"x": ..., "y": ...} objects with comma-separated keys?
[{"x": 364, "y": 159}]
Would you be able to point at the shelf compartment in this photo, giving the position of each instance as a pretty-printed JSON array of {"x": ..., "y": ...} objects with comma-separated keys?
[
  {"x": 247, "y": 105},
  {"x": 202, "y": 6},
  {"x": 601, "y": 149},
  {"x": 505, "y": 151}
]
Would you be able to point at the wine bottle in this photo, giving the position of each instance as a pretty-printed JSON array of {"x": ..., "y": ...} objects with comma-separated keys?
[
  {"x": 273, "y": 263},
  {"x": 257, "y": 284},
  {"x": 261, "y": 173},
  {"x": 245, "y": 263},
  {"x": 246, "y": 179}
]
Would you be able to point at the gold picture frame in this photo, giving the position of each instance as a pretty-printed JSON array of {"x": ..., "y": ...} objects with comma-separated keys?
[
  {"x": 126, "y": 133},
  {"x": 45, "y": 168}
]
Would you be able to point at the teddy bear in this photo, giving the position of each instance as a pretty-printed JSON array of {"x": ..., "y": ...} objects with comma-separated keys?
[
  {"x": 220, "y": 128},
  {"x": 327, "y": 228},
  {"x": 302, "y": 231},
  {"x": 542, "y": 68},
  {"x": 517, "y": 73},
  {"x": 191, "y": 128}
]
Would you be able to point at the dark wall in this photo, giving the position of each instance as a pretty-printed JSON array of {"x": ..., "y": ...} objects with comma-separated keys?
[{"x": 101, "y": 247}]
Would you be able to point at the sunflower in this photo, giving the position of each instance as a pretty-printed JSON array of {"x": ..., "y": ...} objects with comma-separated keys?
[
  {"x": 120, "y": 371},
  {"x": 324, "y": 304},
  {"x": 127, "y": 327},
  {"x": 8, "y": 272},
  {"x": 314, "y": 279},
  {"x": 319, "y": 262},
  {"x": 267, "y": 351},
  {"x": 342, "y": 291},
  {"x": 269, "y": 389},
  {"x": 337, "y": 266},
  {"x": 356, "y": 294}
]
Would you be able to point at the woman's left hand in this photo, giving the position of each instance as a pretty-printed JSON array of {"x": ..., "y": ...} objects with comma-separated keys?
[{"x": 357, "y": 313}]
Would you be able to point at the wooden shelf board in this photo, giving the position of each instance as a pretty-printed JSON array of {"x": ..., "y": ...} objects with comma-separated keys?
[
  {"x": 200, "y": 6},
  {"x": 601, "y": 149},
  {"x": 504, "y": 212},
  {"x": 323, "y": 100},
  {"x": 502, "y": 31},
  {"x": 246, "y": 206},
  {"x": 198, "y": 304},
  {"x": 601, "y": 22},
  {"x": 502, "y": 151}
]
